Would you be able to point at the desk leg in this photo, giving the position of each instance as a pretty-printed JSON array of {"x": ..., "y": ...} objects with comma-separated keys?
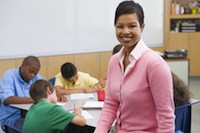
[
  {"x": 23, "y": 113},
  {"x": 78, "y": 129}
]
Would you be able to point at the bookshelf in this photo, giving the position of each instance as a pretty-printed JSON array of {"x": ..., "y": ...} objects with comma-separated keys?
[{"x": 175, "y": 37}]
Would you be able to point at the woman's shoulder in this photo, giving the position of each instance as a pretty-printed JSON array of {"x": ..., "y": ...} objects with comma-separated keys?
[
  {"x": 154, "y": 62},
  {"x": 150, "y": 57},
  {"x": 151, "y": 54},
  {"x": 114, "y": 58}
]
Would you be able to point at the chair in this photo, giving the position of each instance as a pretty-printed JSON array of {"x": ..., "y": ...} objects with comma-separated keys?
[
  {"x": 52, "y": 80},
  {"x": 11, "y": 129},
  {"x": 183, "y": 118}
]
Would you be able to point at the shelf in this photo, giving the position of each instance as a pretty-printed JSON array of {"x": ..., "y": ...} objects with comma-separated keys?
[
  {"x": 183, "y": 40},
  {"x": 183, "y": 32},
  {"x": 185, "y": 16}
]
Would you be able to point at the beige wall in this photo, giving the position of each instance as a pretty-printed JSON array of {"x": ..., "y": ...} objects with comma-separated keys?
[{"x": 93, "y": 63}]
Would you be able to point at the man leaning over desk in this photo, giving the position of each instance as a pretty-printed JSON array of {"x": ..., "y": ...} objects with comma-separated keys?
[{"x": 69, "y": 81}]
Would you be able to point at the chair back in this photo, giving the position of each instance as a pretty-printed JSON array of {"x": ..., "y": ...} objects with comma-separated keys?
[
  {"x": 52, "y": 80},
  {"x": 183, "y": 118},
  {"x": 11, "y": 129}
]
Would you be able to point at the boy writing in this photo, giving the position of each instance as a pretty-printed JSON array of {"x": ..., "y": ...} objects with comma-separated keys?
[
  {"x": 70, "y": 80},
  {"x": 45, "y": 112}
]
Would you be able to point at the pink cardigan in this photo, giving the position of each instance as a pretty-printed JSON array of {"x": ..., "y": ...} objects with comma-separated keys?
[{"x": 142, "y": 101}]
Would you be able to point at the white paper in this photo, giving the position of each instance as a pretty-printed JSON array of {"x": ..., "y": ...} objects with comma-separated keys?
[
  {"x": 93, "y": 104},
  {"x": 85, "y": 114},
  {"x": 82, "y": 96},
  {"x": 61, "y": 103}
]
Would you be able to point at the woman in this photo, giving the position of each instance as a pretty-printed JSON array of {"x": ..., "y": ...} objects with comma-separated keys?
[{"x": 139, "y": 88}]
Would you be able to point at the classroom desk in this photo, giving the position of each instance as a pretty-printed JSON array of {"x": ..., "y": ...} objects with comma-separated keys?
[
  {"x": 91, "y": 123},
  {"x": 68, "y": 106},
  {"x": 194, "y": 101}
]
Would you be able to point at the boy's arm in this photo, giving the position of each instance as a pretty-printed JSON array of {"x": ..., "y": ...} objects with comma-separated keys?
[
  {"x": 64, "y": 91},
  {"x": 94, "y": 88},
  {"x": 78, "y": 119},
  {"x": 103, "y": 79},
  {"x": 61, "y": 98},
  {"x": 17, "y": 100}
]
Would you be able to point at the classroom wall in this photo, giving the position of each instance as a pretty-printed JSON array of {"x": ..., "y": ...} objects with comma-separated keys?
[
  {"x": 57, "y": 31},
  {"x": 57, "y": 27}
]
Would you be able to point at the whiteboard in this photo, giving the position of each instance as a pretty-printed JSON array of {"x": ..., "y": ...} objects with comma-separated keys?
[{"x": 53, "y": 27}]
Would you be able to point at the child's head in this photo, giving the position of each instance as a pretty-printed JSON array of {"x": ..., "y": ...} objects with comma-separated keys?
[
  {"x": 29, "y": 68},
  {"x": 69, "y": 72},
  {"x": 128, "y": 7},
  {"x": 181, "y": 91},
  {"x": 42, "y": 89}
]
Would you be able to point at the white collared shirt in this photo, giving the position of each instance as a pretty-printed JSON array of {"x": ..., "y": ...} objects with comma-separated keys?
[{"x": 135, "y": 54}]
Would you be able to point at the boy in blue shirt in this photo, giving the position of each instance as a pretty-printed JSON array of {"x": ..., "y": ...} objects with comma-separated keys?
[{"x": 14, "y": 89}]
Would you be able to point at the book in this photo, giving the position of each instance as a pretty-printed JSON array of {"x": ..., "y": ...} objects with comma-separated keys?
[
  {"x": 188, "y": 30},
  {"x": 93, "y": 104},
  {"x": 85, "y": 114},
  {"x": 175, "y": 53},
  {"x": 82, "y": 96}
]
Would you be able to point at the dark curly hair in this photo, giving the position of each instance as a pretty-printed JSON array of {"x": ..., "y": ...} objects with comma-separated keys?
[{"x": 181, "y": 91}]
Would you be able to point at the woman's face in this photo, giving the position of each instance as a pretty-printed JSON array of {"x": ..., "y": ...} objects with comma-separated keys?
[{"x": 128, "y": 30}]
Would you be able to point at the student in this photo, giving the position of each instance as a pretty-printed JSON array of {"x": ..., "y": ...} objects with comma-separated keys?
[
  {"x": 14, "y": 89},
  {"x": 69, "y": 81},
  {"x": 45, "y": 116},
  {"x": 181, "y": 91},
  {"x": 103, "y": 79},
  {"x": 139, "y": 93}
]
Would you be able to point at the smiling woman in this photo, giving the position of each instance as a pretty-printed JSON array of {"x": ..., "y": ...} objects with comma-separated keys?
[
  {"x": 136, "y": 64},
  {"x": 70, "y": 26}
]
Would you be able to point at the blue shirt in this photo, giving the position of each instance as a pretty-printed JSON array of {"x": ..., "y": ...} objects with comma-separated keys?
[{"x": 12, "y": 84}]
